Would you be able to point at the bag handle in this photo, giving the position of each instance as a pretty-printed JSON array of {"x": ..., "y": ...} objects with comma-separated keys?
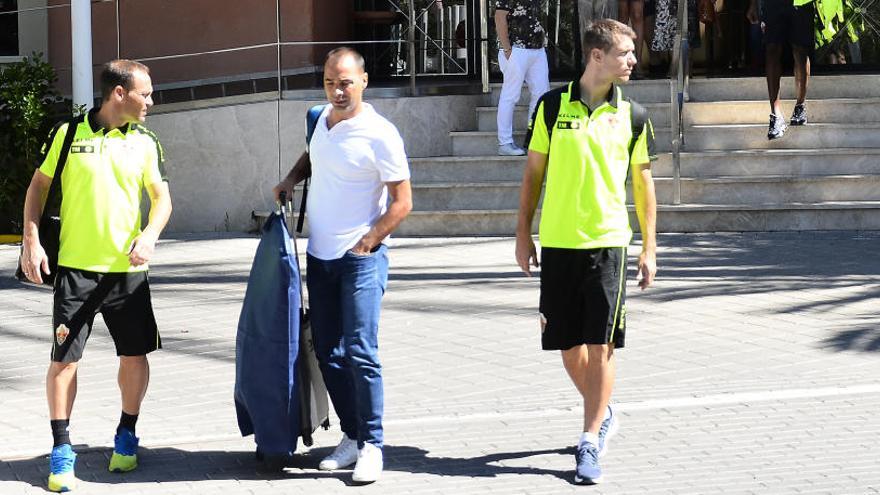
[{"x": 285, "y": 209}]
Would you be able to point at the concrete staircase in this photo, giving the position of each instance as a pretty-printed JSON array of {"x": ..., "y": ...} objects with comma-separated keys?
[{"x": 823, "y": 176}]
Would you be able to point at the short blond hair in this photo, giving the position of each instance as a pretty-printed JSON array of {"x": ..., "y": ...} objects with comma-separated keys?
[{"x": 600, "y": 34}]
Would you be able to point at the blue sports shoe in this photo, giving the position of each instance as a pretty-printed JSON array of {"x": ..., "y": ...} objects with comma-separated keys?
[
  {"x": 587, "y": 471},
  {"x": 61, "y": 462},
  {"x": 607, "y": 430},
  {"x": 124, "y": 457}
]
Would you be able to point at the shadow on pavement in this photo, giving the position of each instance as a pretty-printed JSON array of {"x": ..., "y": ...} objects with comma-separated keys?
[
  {"x": 168, "y": 465},
  {"x": 866, "y": 339}
]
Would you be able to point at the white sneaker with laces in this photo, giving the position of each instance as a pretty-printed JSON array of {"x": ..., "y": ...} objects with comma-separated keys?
[
  {"x": 345, "y": 454},
  {"x": 369, "y": 464},
  {"x": 510, "y": 150}
]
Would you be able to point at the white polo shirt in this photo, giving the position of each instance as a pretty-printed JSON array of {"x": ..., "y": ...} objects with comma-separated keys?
[{"x": 350, "y": 165}]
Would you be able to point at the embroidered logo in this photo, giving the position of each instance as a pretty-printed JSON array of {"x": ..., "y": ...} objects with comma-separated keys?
[
  {"x": 568, "y": 124},
  {"x": 61, "y": 333}
]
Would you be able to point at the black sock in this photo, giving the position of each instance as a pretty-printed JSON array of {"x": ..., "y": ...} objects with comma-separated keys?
[
  {"x": 127, "y": 421},
  {"x": 60, "y": 432}
]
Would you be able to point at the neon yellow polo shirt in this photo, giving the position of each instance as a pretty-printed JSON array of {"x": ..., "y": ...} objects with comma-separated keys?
[
  {"x": 590, "y": 155},
  {"x": 101, "y": 189}
]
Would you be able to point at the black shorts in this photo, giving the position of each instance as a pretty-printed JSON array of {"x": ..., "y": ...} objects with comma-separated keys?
[
  {"x": 785, "y": 23},
  {"x": 583, "y": 297},
  {"x": 123, "y": 299}
]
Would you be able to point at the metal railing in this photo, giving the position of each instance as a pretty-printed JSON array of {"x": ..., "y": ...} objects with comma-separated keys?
[
  {"x": 678, "y": 86},
  {"x": 427, "y": 41}
]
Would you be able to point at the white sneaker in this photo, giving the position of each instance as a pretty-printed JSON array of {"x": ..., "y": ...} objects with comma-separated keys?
[
  {"x": 369, "y": 464},
  {"x": 345, "y": 454},
  {"x": 510, "y": 150}
]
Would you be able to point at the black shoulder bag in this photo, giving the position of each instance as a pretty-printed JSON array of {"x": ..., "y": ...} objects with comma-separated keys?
[{"x": 50, "y": 225}]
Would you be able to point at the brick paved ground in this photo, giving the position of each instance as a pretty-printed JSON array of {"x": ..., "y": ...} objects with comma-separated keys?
[{"x": 753, "y": 366}]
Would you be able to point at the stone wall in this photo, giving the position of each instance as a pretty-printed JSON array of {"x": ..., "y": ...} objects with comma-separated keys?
[{"x": 222, "y": 161}]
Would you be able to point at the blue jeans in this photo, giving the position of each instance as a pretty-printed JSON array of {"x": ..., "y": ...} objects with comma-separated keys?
[{"x": 345, "y": 295}]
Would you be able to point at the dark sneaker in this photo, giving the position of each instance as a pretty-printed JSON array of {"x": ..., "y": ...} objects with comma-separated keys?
[
  {"x": 607, "y": 430},
  {"x": 587, "y": 471},
  {"x": 125, "y": 446},
  {"x": 799, "y": 116},
  {"x": 61, "y": 463},
  {"x": 777, "y": 127}
]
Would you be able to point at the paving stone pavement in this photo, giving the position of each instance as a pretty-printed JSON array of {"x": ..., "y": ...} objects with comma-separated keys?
[{"x": 753, "y": 366}]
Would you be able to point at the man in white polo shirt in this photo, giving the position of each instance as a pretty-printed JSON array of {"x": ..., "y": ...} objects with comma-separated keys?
[{"x": 357, "y": 162}]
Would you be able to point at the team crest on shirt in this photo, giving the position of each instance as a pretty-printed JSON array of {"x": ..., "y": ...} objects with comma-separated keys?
[
  {"x": 613, "y": 121},
  {"x": 61, "y": 333}
]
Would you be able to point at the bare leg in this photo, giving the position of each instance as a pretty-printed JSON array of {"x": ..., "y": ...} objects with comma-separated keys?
[
  {"x": 623, "y": 11},
  {"x": 774, "y": 73},
  {"x": 133, "y": 378},
  {"x": 801, "y": 72},
  {"x": 591, "y": 369},
  {"x": 61, "y": 389},
  {"x": 637, "y": 14}
]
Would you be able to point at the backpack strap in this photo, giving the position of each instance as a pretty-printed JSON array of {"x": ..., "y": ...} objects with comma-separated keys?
[
  {"x": 639, "y": 119},
  {"x": 551, "y": 100},
  {"x": 312, "y": 116}
]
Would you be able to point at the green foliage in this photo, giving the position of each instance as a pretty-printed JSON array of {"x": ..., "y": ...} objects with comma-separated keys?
[{"x": 28, "y": 108}]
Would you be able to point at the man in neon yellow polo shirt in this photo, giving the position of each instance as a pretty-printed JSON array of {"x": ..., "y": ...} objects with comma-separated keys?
[
  {"x": 102, "y": 262},
  {"x": 586, "y": 139}
]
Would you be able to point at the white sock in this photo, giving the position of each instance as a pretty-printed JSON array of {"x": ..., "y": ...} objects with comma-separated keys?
[{"x": 589, "y": 437}]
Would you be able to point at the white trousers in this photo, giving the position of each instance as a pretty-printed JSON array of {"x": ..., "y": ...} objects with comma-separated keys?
[{"x": 524, "y": 65}]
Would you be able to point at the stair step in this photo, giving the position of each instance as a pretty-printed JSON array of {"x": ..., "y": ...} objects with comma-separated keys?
[
  {"x": 646, "y": 91},
  {"x": 746, "y": 163},
  {"x": 853, "y": 215},
  {"x": 487, "y": 116},
  {"x": 755, "y": 88},
  {"x": 851, "y": 110},
  {"x": 466, "y": 169},
  {"x": 839, "y": 161},
  {"x": 757, "y": 190},
  {"x": 754, "y": 136},
  {"x": 485, "y": 143}
]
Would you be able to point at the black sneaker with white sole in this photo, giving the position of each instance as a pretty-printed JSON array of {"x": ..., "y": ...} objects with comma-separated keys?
[
  {"x": 777, "y": 127},
  {"x": 799, "y": 116}
]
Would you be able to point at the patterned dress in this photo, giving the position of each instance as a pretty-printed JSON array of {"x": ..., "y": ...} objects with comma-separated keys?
[
  {"x": 666, "y": 25},
  {"x": 524, "y": 22}
]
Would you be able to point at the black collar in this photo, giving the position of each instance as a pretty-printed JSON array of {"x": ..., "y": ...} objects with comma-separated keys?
[
  {"x": 92, "y": 119},
  {"x": 575, "y": 94}
]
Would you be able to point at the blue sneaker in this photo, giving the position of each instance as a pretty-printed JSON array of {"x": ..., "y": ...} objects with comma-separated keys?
[
  {"x": 61, "y": 462},
  {"x": 124, "y": 458},
  {"x": 587, "y": 471},
  {"x": 607, "y": 430}
]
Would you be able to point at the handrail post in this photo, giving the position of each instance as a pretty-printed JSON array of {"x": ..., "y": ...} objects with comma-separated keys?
[
  {"x": 484, "y": 45},
  {"x": 412, "y": 47},
  {"x": 677, "y": 89}
]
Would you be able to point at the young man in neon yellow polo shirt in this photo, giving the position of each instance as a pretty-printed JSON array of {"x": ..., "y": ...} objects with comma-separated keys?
[
  {"x": 102, "y": 262},
  {"x": 586, "y": 146}
]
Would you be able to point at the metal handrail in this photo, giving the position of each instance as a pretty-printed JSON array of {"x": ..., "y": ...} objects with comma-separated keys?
[{"x": 677, "y": 89}]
